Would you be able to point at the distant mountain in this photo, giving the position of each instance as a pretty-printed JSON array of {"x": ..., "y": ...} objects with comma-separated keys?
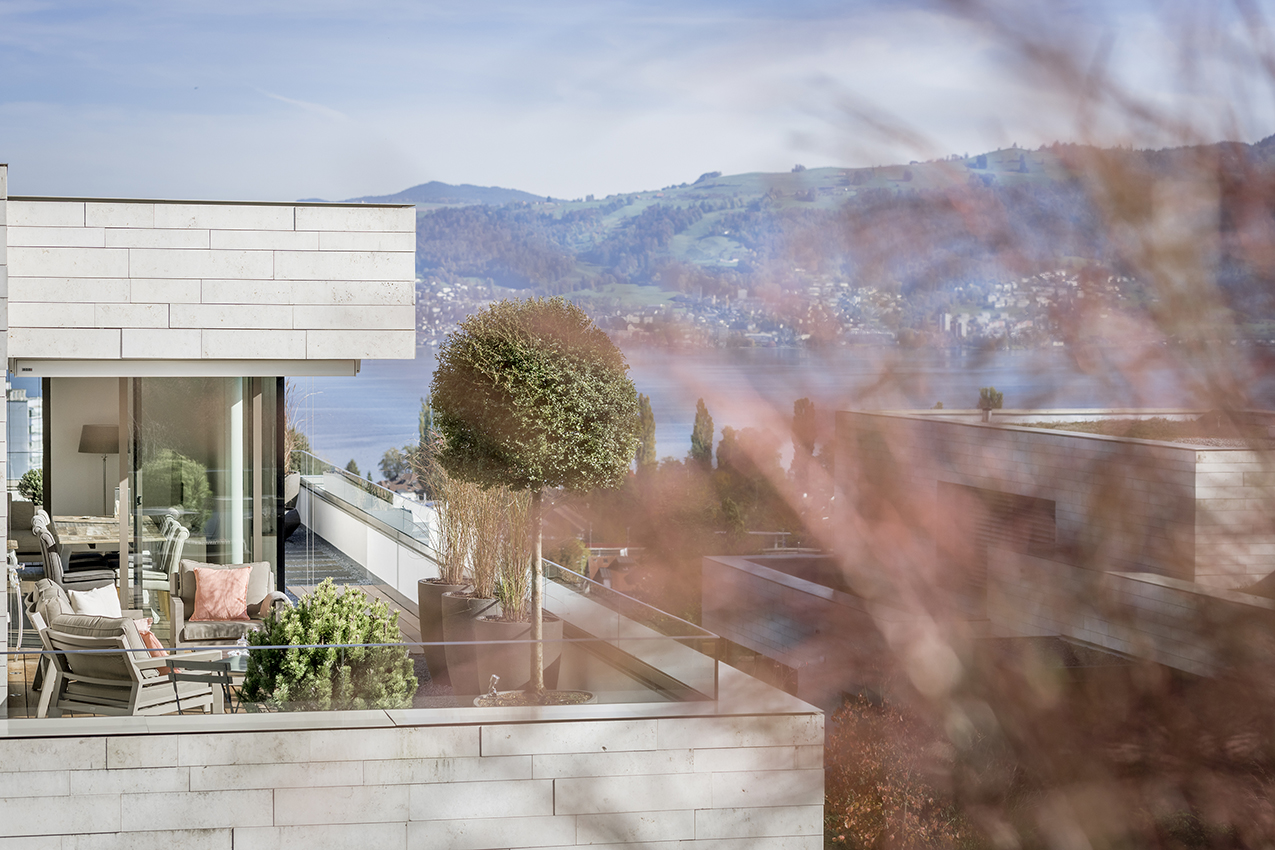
[{"x": 435, "y": 192}]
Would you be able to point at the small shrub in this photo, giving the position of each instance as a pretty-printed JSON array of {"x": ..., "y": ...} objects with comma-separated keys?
[
  {"x": 31, "y": 485},
  {"x": 331, "y": 678}
]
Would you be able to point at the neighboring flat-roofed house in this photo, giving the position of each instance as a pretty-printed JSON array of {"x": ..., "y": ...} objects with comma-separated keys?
[
  {"x": 1198, "y": 510},
  {"x": 173, "y": 324},
  {"x": 1131, "y": 546}
]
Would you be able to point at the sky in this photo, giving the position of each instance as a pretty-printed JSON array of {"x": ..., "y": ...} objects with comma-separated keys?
[{"x": 336, "y": 99}]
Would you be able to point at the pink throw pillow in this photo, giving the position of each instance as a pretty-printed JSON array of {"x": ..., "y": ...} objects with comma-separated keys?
[
  {"x": 221, "y": 594},
  {"x": 152, "y": 643}
]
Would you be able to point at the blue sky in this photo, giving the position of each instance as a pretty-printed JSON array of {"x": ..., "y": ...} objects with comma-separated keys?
[{"x": 277, "y": 101}]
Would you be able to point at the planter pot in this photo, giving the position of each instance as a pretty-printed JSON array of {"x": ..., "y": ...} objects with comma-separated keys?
[
  {"x": 518, "y": 698},
  {"x": 459, "y": 613},
  {"x": 512, "y": 661},
  {"x": 429, "y": 605}
]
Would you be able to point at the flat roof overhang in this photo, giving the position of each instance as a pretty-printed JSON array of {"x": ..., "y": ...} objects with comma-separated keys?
[{"x": 53, "y": 368}]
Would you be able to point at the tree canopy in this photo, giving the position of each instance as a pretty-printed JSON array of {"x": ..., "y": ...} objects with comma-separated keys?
[{"x": 531, "y": 394}]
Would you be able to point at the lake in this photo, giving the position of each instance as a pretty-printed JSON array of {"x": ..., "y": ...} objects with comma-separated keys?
[{"x": 361, "y": 417}]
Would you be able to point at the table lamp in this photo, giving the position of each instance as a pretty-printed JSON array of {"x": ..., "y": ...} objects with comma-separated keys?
[{"x": 101, "y": 440}]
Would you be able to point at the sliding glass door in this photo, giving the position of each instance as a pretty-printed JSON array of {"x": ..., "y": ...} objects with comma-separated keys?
[{"x": 203, "y": 458}]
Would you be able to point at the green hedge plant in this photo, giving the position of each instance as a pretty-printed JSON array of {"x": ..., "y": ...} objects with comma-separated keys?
[{"x": 328, "y": 677}]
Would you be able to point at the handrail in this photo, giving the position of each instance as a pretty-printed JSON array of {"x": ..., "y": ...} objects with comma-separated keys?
[{"x": 371, "y": 487}]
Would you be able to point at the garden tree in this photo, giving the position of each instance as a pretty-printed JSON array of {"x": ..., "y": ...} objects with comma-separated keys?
[
  {"x": 990, "y": 399},
  {"x": 352, "y": 467},
  {"x": 702, "y": 436},
  {"x": 646, "y": 435},
  {"x": 395, "y": 463},
  {"x": 529, "y": 395},
  {"x": 726, "y": 450},
  {"x": 803, "y": 439}
]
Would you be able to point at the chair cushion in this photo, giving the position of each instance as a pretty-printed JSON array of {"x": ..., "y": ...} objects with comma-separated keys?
[
  {"x": 101, "y": 601},
  {"x": 106, "y": 665},
  {"x": 229, "y": 631},
  {"x": 152, "y": 642},
  {"x": 221, "y": 594},
  {"x": 258, "y": 579},
  {"x": 51, "y": 600}
]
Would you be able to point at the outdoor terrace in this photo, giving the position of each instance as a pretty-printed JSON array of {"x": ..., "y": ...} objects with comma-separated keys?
[{"x": 724, "y": 761}]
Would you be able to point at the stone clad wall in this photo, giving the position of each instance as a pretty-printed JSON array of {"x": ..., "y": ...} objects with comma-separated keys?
[
  {"x": 1183, "y": 625},
  {"x": 105, "y": 280},
  {"x": 1086, "y": 476},
  {"x": 746, "y": 782},
  {"x": 1235, "y": 517}
]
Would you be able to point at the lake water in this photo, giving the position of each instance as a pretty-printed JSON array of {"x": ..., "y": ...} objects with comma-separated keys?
[{"x": 361, "y": 417}]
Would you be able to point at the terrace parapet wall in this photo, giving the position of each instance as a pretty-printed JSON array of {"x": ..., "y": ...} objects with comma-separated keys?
[
  {"x": 1184, "y": 625},
  {"x": 747, "y": 775}
]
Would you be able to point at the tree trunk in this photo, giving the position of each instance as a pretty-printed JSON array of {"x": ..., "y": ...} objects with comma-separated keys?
[{"x": 537, "y": 599}]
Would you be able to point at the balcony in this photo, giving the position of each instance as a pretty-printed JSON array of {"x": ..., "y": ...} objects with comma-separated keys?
[{"x": 677, "y": 747}]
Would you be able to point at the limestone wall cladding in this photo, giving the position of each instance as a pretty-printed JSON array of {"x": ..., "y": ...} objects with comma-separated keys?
[
  {"x": 1235, "y": 517},
  {"x": 1149, "y": 487},
  {"x": 159, "y": 280},
  {"x": 712, "y": 782},
  {"x": 1184, "y": 625}
]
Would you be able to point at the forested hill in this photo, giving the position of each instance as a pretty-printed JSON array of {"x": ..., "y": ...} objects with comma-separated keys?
[
  {"x": 434, "y": 192},
  {"x": 924, "y": 231}
]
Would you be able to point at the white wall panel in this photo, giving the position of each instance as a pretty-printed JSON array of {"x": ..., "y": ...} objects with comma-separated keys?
[
  {"x": 232, "y": 271},
  {"x": 119, "y": 214},
  {"x": 224, "y": 216}
]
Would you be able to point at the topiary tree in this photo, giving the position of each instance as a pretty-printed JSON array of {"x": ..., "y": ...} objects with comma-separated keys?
[
  {"x": 321, "y": 678},
  {"x": 528, "y": 395}
]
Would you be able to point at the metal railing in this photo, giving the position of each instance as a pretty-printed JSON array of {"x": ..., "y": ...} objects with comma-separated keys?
[{"x": 404, "y": 515}]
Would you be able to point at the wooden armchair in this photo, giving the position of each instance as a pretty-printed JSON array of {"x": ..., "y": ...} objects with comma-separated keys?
[{"x": 84, "y": 678}]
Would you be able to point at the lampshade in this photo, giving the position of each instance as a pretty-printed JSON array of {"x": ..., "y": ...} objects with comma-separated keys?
[{"x": 100, "y": 440}]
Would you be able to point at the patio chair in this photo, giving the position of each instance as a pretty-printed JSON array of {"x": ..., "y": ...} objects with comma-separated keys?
[
  {"x": 42, "y": 523},
  {"x": 79, "y": 579},
  {"x": 100, "y": 666},
  {"x": 262, "y": 601}
]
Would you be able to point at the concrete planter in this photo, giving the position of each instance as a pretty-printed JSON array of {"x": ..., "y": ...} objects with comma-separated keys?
[
  {"x": 512, "y": 661},
  {"x": 459, "y": 612},
  {"x": 429, "y": 605}
]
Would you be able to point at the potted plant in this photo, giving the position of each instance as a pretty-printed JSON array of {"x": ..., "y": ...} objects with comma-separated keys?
[
  {"x": 456, "y": 501},
  {"x": 531, "y": 395},
  {"x": 461, "y": 607},
  {"x": 501, "y": 640}
]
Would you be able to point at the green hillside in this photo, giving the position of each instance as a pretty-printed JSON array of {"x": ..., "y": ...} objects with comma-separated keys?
[{"x": 935, "y": 233}]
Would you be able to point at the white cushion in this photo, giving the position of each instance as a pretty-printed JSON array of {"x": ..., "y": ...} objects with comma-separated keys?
[{"x": 99, "y": 602}]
